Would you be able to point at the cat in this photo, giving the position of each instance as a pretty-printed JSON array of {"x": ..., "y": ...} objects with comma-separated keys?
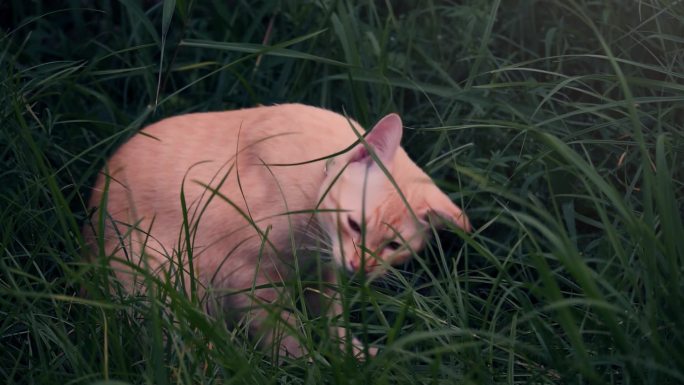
[{"x": 259, "y": 184}]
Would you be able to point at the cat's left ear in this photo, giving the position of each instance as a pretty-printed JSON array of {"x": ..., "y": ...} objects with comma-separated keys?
[
  {"x": 441, "y": 207},
  {"x": 384, "y": 138}
]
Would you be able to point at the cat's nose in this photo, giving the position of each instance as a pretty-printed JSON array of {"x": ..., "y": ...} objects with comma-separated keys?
[
  {"x": 356, "y": 265},
  {"x": 355, "y": 261}
]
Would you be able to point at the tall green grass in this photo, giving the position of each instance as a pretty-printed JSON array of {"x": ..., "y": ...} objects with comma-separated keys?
[{"x": 557, "y": 125}]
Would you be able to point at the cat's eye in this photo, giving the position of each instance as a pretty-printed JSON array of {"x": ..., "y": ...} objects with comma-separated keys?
[
  {"x": 353, "y": 225},
  {"x": 394, "y": 245}
]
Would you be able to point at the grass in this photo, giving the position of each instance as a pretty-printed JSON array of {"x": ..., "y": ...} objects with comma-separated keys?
[{"x": 556, "y": 124}]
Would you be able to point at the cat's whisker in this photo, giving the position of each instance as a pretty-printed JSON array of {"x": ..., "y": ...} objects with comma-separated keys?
[{"x": 315, "y": 235}]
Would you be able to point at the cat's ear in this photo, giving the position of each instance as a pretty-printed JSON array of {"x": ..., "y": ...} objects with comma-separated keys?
[
  {"x": 384, "y": 138},
  {"x": 441, "y": 208}
]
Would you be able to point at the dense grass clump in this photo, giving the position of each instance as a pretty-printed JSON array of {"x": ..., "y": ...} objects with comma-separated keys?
[{"x": 556, "y": 124}]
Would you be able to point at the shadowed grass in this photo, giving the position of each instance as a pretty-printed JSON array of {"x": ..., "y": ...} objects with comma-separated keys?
[{"x": 556, "y": 125}]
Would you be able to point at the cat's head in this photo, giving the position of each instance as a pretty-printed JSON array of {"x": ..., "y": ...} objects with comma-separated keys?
[{"x": 366, "y": 218}]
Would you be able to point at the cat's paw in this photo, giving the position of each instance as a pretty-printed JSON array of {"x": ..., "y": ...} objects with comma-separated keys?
[
  {"x": 360, "y": 352},
  {"x": 290, "y": 347}
]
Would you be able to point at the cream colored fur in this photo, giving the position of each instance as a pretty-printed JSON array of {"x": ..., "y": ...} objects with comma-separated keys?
[{"x": 238, "y": 164}]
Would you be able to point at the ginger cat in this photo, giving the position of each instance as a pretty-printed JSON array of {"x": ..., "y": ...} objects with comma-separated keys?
[{"x": 254, "y": 197}]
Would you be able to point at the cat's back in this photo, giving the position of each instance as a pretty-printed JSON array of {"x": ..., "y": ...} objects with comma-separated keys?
[
  {"x": 152, "y": 165},
  {"x": 281, "y": 133}
]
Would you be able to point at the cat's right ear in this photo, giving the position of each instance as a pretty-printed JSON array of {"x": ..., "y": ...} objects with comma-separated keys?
[{"x": 384, "y": 138}]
